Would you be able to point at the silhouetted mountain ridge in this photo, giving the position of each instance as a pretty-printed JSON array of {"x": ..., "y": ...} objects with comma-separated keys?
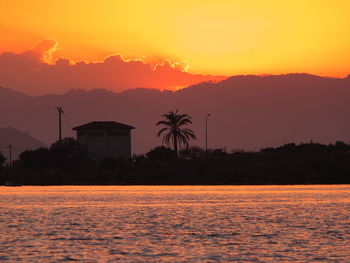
[
  {"x": 6, "y": 94},
  {"x": 19, "y": 141},
  {"x": 247, "y": 112}
]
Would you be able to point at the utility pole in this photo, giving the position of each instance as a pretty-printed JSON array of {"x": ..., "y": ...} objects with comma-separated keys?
[
  {"x": 60, "y": 112},
  {"x": 206, "y": 132},
  {"x": 10, "y": 155}
]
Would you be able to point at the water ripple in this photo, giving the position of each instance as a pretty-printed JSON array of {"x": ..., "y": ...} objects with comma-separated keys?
[{"x": 175, "y": 224}]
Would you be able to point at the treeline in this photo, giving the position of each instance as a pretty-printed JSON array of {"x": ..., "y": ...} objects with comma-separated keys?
[{"x": 66, "y": 163}]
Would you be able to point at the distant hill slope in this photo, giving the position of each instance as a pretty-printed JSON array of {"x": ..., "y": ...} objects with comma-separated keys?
[
  {"x": 11, "y": 94},
  {"x": 247, "y": 112},
  {"x": 19, "y": 141}
]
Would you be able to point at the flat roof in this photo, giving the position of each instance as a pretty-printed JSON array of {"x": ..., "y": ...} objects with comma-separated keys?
[{"x": 103, "y": 126}]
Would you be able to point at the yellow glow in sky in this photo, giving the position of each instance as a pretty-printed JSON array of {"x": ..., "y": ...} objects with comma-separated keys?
[{"x": 219, "y": 37}]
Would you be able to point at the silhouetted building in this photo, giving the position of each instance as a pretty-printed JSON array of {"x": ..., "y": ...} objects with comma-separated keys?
[{"x": 105, "y": 139}]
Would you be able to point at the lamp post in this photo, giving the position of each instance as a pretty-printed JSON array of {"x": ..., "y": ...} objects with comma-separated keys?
[
  {"x": 206, "y": 132},
  {"x": 60, "y": 112}
]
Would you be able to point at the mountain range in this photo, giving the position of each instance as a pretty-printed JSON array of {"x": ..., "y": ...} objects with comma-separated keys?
[{"x": 247, "y": 112}]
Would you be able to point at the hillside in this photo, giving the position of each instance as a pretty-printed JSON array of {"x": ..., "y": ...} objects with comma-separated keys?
[
  {"x": 19, "y": 141},
  {"x": 247, "y": 112}
]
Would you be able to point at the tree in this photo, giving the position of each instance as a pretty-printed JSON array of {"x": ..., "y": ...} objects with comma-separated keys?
[
  {"x": 38, "y": 159},
  {"x": 193, "y": 153},
  {"x": 68, "y": 155},
  {"x": 175, "y": 131},
  {"x": 160, "y": 153},
  {"x": 2, "y": 159}
]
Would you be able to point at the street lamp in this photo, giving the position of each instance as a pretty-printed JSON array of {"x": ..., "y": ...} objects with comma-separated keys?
[{"x": 206, "y": 132}]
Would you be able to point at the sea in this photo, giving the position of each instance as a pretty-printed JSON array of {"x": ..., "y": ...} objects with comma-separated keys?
[{"x": 300, "y": 223}]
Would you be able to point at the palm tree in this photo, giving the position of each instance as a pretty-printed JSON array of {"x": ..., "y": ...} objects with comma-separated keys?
[{"x": 175, "y": 132}]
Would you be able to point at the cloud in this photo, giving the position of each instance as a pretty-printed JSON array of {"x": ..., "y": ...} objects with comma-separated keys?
[
  {"x": 40, "y": 71},
  {"x": 168, "y": 65},
  {"x": 46, "y": 51}
]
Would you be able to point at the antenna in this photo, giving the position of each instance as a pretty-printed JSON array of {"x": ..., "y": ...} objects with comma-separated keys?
[{"x": 60, "y": 112}]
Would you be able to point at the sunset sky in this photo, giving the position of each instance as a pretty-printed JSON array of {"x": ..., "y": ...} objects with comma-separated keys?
[{"x": 211, "y": 37}]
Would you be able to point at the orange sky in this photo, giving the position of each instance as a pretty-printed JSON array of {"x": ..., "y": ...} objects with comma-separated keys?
[{"x": 217, "y": 37}]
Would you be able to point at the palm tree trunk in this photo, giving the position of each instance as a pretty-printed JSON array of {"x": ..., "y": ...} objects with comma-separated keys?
[{"x": 175, "y": 146}]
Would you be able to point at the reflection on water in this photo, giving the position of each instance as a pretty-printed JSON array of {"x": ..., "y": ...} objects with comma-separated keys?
[{"x": 175, "y": 223}]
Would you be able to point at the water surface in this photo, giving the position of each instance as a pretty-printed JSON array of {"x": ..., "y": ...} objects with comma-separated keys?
[{"x": 175, "y": 223}]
